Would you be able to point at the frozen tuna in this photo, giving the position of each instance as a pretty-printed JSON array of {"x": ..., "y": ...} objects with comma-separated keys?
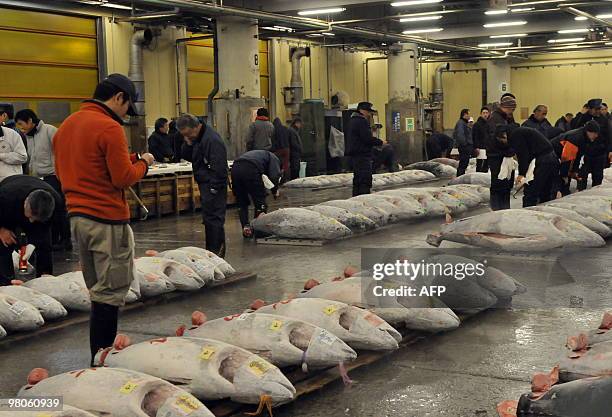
[
  {"x": 300, "y": 223},
  {"x": 182, "y": 277},
  {"x": 447, "y": 161},
  {"x": 221, "y": 264},
  {"x": 467, "y": 199},
  {"x": 589, "y": 361},
  {"x": 208, "y": 369},
  {"x": 281, "y": 340},
  {"x": 436, "y": 168},
  {"x": 517, "y": 230},
  {"x": 378, "y": 216},
  {"x": 118, "y": 393},
  {"x": 151, "y": 284},
  {"x": 590, "y": 206},
  {"x": 404, "y": 208},
  {"x": 587, "y": 221},
  {"x": 203, "y": 266},
  {"x": 359, "y": 328},
  {"x": 49, "y": 307},
  {"x": 480, "y": 178},
  {"x": 354, "y": 221},
  {"x": 18, "y": 316},
  {"x": 69, "y": 289},
  {"x": 2, "y": 332},
  {"x": 432, "y": 206},
  {"x": 67, "y": 411}
]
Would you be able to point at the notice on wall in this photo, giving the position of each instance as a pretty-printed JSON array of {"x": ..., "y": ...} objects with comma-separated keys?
[
  {"x": 410, "y": 124},
  {"x": 396, "y": 121}
]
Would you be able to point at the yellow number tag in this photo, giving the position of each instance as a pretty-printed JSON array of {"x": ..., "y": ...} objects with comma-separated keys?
[
  {"x": 259, "y": 368},
  {"x": 329, "y": 310},
  {"x": 207, "y": 352},
  {"x": 276, "y": 325},
  {"x": 187, "y": 404},
  {"x": 128, "y": 387}
]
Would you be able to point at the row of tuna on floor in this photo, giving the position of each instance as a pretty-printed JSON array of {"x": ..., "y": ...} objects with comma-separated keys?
[
  {"x": 241, "y": 356},
  {"x": 341, "y": 218},
  {"x": 580, "y": 385},
  {"x": 578, "y": 220},
  {"x": 25, "y": 306}
]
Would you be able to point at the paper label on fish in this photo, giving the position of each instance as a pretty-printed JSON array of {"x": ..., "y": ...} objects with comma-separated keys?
[
  {"x": 243, "y": 316},
  {"x": 128, "y": 387},
  {"x": 276, "y": 325},
  {"x": 187, "y": 404},
  {"x": 207, "y": 352},
  {"x": 326, "y": 337},
  {"x": 329, "y": 310},
  {"x": 17, "y": 309},
  {"x": 259, "y": 367}
]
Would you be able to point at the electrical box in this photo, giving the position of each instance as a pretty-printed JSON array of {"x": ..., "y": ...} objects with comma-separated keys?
[{"x": 405, "y": 132}]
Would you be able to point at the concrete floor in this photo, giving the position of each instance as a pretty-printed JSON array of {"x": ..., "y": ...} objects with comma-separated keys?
[{"x": 462, "y": 373}]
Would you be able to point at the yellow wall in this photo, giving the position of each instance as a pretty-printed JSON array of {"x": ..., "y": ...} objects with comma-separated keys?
[{"x": 46, "y": 58}]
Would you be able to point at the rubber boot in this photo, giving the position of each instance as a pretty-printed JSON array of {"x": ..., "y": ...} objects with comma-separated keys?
[{"x": 102, "y": 327}]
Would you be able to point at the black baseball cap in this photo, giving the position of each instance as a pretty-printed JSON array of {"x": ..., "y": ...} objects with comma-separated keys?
[
  {"x": 127, "y": 86},
  {"x": 364, "y": 105},
  {"x": 594, "y": 103}
]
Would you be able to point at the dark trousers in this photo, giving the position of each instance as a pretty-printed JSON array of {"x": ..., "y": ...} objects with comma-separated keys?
[
  {"x": 102, "y": 327},
  {"x": 214, "y": 202},
  {"x": 564, "y": 179},
  {"x": 39, "y": 235},
  {"x": 248, "y": 187},
  {"x": 544, "y": 185},
  {"x": 482, "y": 165},
  {"x": 294, "y": 167},
  {"x": 362, "y": 175},
  {"x": 283, "y": 156},
  {"x": 595, "y": 166},
  {"x": 500, "y": 189},
  {"x": 60, "y": 228},
  {"x": 464, "y": 160}
]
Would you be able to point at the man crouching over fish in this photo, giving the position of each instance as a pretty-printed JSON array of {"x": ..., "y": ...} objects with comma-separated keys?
[{"x": 95, "y": 169}]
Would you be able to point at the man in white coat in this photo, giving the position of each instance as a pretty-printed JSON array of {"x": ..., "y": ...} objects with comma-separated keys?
[{"x": 12, "y": 153}]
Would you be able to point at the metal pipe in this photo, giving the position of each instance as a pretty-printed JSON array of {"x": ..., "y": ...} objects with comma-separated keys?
[
  {"x": 576, "y": 12},
  {"x": 438, "y": 93},
  {"x": 215, "y": 88},
  {"x": 140, "y": 38},
  {"x": 149, "y": 16},
  {"x": 297, "y": 85}
]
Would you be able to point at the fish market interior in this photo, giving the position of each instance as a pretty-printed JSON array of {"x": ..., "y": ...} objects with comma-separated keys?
[{"x": 305, "y": 208}]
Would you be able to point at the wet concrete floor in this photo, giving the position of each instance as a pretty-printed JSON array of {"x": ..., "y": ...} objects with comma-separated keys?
[{"x": 490, "y": 358}]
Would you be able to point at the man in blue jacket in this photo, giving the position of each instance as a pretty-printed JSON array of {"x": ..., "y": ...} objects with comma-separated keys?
[
  {"x": 359, "y": 144},
  {"x": 463, "y": 141}
]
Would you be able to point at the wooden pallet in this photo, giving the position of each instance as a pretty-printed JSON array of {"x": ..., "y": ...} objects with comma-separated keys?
[{"x": 81, "y": 317}]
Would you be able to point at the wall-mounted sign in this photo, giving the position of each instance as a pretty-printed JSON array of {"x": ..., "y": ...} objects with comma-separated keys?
[
  {"x": 503, "y": 87},
  {"x": 410, "y": 124},
  {"x": 396, "y": 121}
]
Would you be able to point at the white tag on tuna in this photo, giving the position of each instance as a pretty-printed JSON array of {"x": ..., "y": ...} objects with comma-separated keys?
[
  {"x": 326, "y": 337},
  {"x": 17, "y": 309},
  {"x": 243, "y": 316}
]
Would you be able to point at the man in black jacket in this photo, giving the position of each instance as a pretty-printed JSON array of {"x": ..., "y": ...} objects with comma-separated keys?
[
  {"x": 27, "y": 204},
  {"x": 438, "y": 145},
  {"x": 248, "y": 185},
  {"x": 281, "y": 146},
  {"x": 462, "y": 136},
  {"x": 205, "y": 149},
  {"x": 498, "y": 149},
  {"x": 529, "y": 144},
  {"x": 359, "y": 144},
  {"x": 565, "y": 122},
  {"x": 295, "y": 147},
  {"x": 480, "y": 133},
  {"x": 593, "y": 150},
  {"x": 594, "y": 113},
  {"x": 160, "y": 143},
  {"x": 538, "y": 120}
]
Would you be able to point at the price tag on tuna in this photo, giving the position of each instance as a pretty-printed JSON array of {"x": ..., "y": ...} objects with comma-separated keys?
[
  {"x": 243, "y": 316},
  {"x": 17, "y": 309},
  {"x": 259, "y": 367},
  {"x": 276, "y": 325},
  {"x": 326, "y": 337},
  {"x": 128, "y": 387},
  {"x": 187, "y": 404},
  {"x": 329, "y": 310},
  {"x": 207, "y": 352}
]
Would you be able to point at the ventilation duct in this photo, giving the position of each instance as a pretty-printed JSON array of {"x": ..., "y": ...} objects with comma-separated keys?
[
  {"x": 294, "y": 94},
  {"x": 438, "y": 93},
  {"x": 140, "y": 39}
]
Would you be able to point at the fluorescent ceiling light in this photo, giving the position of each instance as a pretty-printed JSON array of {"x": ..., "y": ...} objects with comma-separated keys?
[
  {"x": 494, "y": 44},
  {"x": 503, "y": 24},
  {"x": 278, "y": 28},
  {"x": 571, "y": 46},
  {"x": 604, "y": 16},
  {"x": 609, "y": 43},
  {"x": 561, "y": 40},
  {"x": 565, "y": 31},
  {"x": 428, "y": 30},
  {"x": 322, "y": 11},
  {"x": 580, "y": 18},
  {"x": 522, "y": 9},
  {"x": 116, "y": 6},
  {"x": 420, "y": 18},
  {"x": 493, "y": 12},
  {"x": 512, "y": 35},
  {"x": 414, "y": 2},
  {"x": 327, "y": 34}
]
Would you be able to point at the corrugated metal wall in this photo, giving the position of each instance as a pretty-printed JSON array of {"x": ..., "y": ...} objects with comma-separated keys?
[
  {"x": 48, "y": 62},
  {"x": 200, "y": 73}
]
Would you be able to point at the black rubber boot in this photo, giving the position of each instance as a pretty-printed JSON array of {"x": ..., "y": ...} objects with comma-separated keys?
[{"x": 102, "y": 327}]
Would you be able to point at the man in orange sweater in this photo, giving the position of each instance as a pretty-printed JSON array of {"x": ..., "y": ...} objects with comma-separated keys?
[{"x": 95, "y": 169}]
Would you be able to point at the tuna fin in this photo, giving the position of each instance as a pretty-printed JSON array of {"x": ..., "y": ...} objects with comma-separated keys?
[
  {"x": 344, "y": 374},
  {"x": 264, "y": 401},
  {"x": 36, "y": 375},
  {"x": 541, "y": 383},
  {"x": 257, "y": 304},
  {"x": 180, "y": 331},
  {"x": 434, "y": 239},
  {"x": 151, "y": 252},
  {"x": 606, "y": 322},
  {"x": 349, "y": 271},
  {"x": 507, "y": 408},
  {"x": 577, "y": 343},
  {"x": 198, "y": 318},
  {"x": 311, "y": 283},
  {"x": 121, "y": 341}
]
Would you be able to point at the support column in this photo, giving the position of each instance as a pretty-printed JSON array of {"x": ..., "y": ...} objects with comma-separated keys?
[
  {"x": 498, "y": 80},
  {"x": 238, "y": 57}
]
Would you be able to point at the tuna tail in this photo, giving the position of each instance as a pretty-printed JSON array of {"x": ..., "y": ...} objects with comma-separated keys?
[
  {"x": 507, "y": 408},
  {"x": 36, "y": 375},
  {"x": 434, "y": 239},
  {"x": 577, "y": 343},
  {"x": 198, "y": 318},
  {"x": 264, "y": 401},
  {"x": 344, "y": 374},
  {"x": 541, "y": 383}
]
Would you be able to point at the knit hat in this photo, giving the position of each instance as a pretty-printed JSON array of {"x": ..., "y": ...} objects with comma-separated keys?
[
  {"x": 592, "y": 126},
  {"x": 508, "y": 102}
]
